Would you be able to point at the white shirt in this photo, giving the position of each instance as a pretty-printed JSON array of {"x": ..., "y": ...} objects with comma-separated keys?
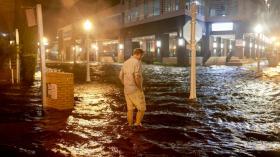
[{"x": 131, "y": 68}]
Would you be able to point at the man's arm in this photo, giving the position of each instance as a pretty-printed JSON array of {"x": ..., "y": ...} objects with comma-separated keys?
[
  {"x": 138, "y": 75},
  {"x": 138, "y": 81},
  {"x": 121, "y": 75}
]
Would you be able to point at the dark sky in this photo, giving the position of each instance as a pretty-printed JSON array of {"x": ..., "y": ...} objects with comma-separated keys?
[
  {"x": 274, "y": 20},
  {"x": 57, "y": 13}
]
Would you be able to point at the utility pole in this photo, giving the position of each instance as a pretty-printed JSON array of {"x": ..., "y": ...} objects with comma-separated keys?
[
  {"x": 87, "y": 27},
  {"x": 87, "y": 51},
  {"x": 17, "y": 60},
  {"x": 42, "y": 52},
  {"x": 193, "y": 53}
]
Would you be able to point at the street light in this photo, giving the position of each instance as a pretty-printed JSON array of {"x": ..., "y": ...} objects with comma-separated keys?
[
  {"x": 181, "y": 42},
  {"x": 87, "y": 25},
  {"x": 121, "y": 46},
  {"x": 94, "y": 46},
  {"x": 258, "y": 30},
  {"x": 87, "y": 28},
  {"x": 158, "y": 43},
  {"x": 45, "y": 41}
]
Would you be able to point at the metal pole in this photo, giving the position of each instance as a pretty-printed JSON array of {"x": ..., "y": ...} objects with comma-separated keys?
[
  {"x": 243, "y": 48},
  {"x": 96, "y": 51},
  {"x": 17, "y": 61},
  {"x": 42, "y": 52},
  {"x": 75, "y": 50},
  {"x": 12, "y": 71},
  {"x": 250, "y": 47},
  {"x": 87, "y": 49},
  {"x": 258, "y": 51},
  {"x": 193, "y": 53}
]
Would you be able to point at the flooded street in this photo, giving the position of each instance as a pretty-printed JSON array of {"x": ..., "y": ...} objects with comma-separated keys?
[{"x": 237, "y": 114}]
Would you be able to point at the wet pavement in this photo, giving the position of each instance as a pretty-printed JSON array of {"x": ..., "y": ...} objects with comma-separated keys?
[{"x": 237, "y": 114}]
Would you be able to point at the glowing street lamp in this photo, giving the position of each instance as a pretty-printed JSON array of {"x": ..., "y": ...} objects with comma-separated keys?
[
  {"x": 94, "y": 46},
  {"x": 181, "y": 42},
  {"x": 87, "y": 28},
  {"x": 158, "y": 44},
  {"x": 121, "y": 46},
  {"x": 258, "y": 29},
  {"x": 87, "y": 25},
  {"x": 45, "y": 41}
]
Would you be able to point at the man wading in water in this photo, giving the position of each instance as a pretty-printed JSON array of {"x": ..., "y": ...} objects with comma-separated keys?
[{"x": 131, "y": 77}]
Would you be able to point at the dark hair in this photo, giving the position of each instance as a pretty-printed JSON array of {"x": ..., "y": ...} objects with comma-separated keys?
[{"x": 138, "y": 51}]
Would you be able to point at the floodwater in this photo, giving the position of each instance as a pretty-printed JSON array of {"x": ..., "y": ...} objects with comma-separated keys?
[{"x": 237, "y": 114}]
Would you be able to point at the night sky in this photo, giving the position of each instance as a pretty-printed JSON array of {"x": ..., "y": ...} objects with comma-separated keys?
[
  {"x": 58, "y": 13},
  {"x": 63, "y": 12}
]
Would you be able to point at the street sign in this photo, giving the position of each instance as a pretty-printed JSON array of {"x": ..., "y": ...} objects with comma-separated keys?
[
  {"x": 31, "y": 18},
  {"x": 187, "y": 32}
]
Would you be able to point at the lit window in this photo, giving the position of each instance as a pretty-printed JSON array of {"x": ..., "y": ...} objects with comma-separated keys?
[
  {"x": 227, "y": 26},
  {"x": 215, "y": 45}
]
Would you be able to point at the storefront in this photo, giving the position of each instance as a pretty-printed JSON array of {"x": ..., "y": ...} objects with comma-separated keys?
[{"x": 222, "y": 39}]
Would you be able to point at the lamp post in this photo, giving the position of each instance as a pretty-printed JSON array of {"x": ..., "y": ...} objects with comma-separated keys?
[
  {"x": 193, "y": 53},
  {"x": 258, "y": 30},
  {"x": 42, "y": 53},
  {"x": 87, "y": 27}
]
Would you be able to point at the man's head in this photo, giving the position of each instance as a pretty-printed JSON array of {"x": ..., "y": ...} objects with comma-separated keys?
[{"x": 138, "y": 53}]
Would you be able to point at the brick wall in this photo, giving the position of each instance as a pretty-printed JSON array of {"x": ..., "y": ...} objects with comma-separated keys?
[{"x": 65, "y": 90}]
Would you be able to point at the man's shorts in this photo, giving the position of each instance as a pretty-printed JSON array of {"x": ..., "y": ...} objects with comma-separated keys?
[{"x": 136, "y": 99}]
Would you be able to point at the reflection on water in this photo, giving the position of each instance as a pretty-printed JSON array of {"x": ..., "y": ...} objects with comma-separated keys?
[{"x": 237, "y": 114}]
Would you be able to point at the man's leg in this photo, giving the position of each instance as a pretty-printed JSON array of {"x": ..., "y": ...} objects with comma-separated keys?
[
  {"x": 139, "y": 117},
  {"x": 130, "y": 117},
  {"x": 141, "y": 107},
  {"x": 130, "y": 107}
]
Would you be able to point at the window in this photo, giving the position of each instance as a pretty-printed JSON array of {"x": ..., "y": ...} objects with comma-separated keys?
[
  {"x": 141, "y": 11},
  {"x": 138, "y": 10},
  {"x": 226, "y": 26},
  {"x": 201, "y": 7},
  {"x": 166, "y": 6},
  {"x": 174, "y": 5},
  {"x": 156, "y": 7},
  {"x": 150, "y": 8},
  {"x": 172, "y": 44},
  {"x": 171, "y": 5},
  {"x": 146, "y": 8},
  {"x": 177, "y": 4},
  {"x": 223, "y": 7}
]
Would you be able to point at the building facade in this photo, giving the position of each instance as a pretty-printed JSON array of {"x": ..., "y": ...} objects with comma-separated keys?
[{"x": 159, "y": 28}]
